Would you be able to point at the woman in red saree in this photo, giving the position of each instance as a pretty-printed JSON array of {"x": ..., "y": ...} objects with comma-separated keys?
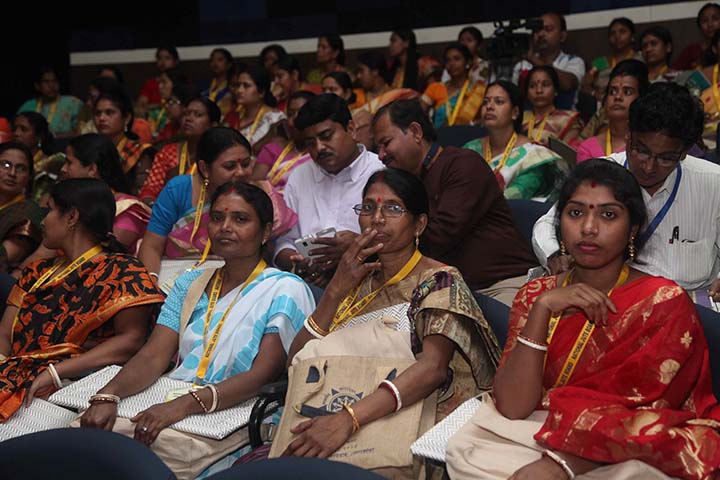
[
  {"x": 616, "y": 360},
  {"x": 77, "y": 313}
]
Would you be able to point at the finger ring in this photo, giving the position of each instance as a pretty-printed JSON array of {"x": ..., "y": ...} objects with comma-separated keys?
[
  {"x": 144, "y": 429},
  {"x": 360, "y": 259}
]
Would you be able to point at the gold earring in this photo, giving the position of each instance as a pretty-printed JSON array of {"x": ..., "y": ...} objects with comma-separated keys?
[
  {"x": 563, "y": 250},
  {"x": 631, "y": 248},
  {"x": 417, "y": 240}
]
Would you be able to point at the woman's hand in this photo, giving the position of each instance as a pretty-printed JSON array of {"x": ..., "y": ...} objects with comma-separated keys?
[
  {"x": 543, "y": 469},
  {"x": 100, "y": 415},
  {"x": 150, "y": 422},
  {"x": 352, "y": 267},
  {"x": 320, "y": 436},
  {"x": 42, "y": 386},
  {"x": 590, "y": 300}
]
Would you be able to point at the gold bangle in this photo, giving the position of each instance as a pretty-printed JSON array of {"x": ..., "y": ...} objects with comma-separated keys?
[
  {"x": 199, "y": 400},
  {"x": 316, "y": 327},
  {"x": 356, "y": 424}
]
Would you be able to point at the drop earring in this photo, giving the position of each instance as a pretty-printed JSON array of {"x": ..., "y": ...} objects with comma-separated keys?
[
  {"x": 417, "y": 240},
  {"x": 631, "y": 248},
  {"x": 563, "y": 250}
]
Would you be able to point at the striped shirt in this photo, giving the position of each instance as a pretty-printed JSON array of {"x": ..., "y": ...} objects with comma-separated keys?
[{"x": 692, "y": 260}]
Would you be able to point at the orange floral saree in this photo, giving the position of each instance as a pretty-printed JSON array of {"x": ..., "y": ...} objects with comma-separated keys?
[
  {"x": 61, "y": 318},
  {"x": 642, "y": 387}
]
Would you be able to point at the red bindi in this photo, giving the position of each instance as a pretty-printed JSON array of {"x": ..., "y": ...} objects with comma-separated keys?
[
  {"x": 225, "y": 209},
  {"x": 592, "y": 206},
  {"x": 379, "y": 200},
  {"x": 593, "y": 184}
]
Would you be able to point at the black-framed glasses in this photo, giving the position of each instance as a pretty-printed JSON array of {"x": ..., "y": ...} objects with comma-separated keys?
[
  {"x": 666, "y": 160},
  {"x": 387, "y": 210},
  {"x": 19, "y": 167}
]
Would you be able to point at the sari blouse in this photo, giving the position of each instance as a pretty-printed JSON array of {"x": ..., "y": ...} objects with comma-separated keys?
[
  {"x": 275, "y": 302},
  {"x": 436, "y": 94},
  {"x": 442, "y": 304},
  {"x": 642, "y": 387},
  {"x": 58, "y": 319},
  {"x": 19, "y": 221}
]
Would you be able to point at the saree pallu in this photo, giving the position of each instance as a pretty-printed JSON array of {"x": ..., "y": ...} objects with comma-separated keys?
[
  {"x": 563, "y": 124},
  {"x": 531, "y": 170},
  {"x": 130, "y": 153},
  {"x": 264, "y": 129},
  {"x": 390, "y": 96},
  {"x": 641, "y": 389},
  {"x": 130, "y": 210},
  {"x": 165, "y": 160},
  {"x": 157, "y": 118},
  {"x": 437, "y": 95},
  {"x": 179, "y": 244},
  {"x": 57, "y": 320},
  {"x": 442, "y": 304},
  {"x": 19, "y": 221}
]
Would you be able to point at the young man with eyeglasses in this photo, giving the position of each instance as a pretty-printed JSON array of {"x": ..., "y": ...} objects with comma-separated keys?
[
  {"x": 470, "y": 224},
  {"x": 681, "y": 193}
]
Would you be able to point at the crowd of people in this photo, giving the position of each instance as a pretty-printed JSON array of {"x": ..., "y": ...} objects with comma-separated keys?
[{"x": 328, "y": 205}]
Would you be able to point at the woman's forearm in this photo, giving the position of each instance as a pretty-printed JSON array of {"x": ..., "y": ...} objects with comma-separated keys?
[
  {"x": 138, "y": 374},
  {"x": 518, "y": 383},
  {"x": 323, "y": 317}
]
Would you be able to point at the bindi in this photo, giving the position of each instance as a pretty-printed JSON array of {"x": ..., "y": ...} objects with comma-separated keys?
[
  {"x": 379, "y": 200},
  {"x": 592, "y": 206},
  {"x": 593, "y": 184}
]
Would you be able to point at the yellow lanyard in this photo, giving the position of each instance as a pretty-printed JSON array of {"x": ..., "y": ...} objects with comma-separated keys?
[
  {"x": 614, "y": 62},
  {"x": 51, "y": 112},
  {"x": 541, "y": 127},
  {"x": 215, "y": 89},
  {"x": 256, "y": 122},
  {"x": 453, "y": 112},
  {"x": 199, "y": 211},
  {"x": 662, "y": 71},
  {"x": 274, "y": 176},
  {"x": 18, "y": 198},
  {"x": 584, "y": 336},
  {"x": 184, "y": 161},
  {"x": 214, "y": 296},
  {"x": 608, "y": 142},
  {"x": 349, "y": 308},
  {"x": 121, "y": 146},
  {"x": 506, "y": 153},
  {"x": 160, "y": 116},
  {"x": 716, "y": 93}
]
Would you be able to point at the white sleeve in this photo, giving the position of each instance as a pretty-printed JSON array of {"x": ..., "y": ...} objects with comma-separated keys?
[
  {"x": 516, "y": 72},
  {"x": 544, "y": 241},
  {"x": 288, "y": 238},
  {"x": 576, "y": 66}
]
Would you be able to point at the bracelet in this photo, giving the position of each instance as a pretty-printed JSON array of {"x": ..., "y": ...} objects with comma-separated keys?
[
  {"x": 153, "y": 274},
  {"x": 314, "y": 329},
  {"x": 104, "y": 397},
  {"x": 199, "y": 400},
  {"x": 388, "y": 385},
  {"x": 356, "y": 424},
  {"x": 215, "y": 397},
  {"x": 55, "y": 377},
  {"x": 560, "y": 461},
  {"x": 529, "y": 342}
]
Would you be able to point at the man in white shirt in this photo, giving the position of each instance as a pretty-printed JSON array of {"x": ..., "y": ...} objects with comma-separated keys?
[
  {"x": 546, "y": 49},
  {"x": 681, "y": 193},
  {"x": 323, "y": 192}
]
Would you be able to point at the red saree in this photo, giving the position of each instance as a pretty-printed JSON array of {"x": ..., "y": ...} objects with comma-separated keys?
[
  {"x": 641, "y": 389},
  {"x": 56, "y": 320}
]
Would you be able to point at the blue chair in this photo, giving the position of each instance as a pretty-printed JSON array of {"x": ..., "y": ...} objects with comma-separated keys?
[
  {"x": 459, "y": 135},
  {"x": 711, "y": 324},
  {"x": 525, "y": 213},
  {"x": 295, "y": 467},
  {"x": 497, "y": 315},
  {"x": 80, "y": 454}
]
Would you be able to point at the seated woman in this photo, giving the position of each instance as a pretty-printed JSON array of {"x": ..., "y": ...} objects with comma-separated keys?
[
  {"x": 330, "y": 57},
  {"x": 523, "y": 169},
  {"x": 217, "y": 90},
  {"x": 179, "y": 222},
  {"x": 179, "y": 158},
  {"x": 446, "y": 324},
  {"x": 543, "y": 120},
  {"x": 20, "y": 217},
  {"x": 255, "y": 310},
  {"x": 340, "y": 84},
  {"x": 277, "y": 159},
  {"x": 74, "y": 314},
  {"x": 256, "y": 116},
  {"x": 457, "y": 101},
  {"x": 656, "y": 47},
  {"x": 160, "y": 116},
  {"x": 287, "y": 80},
  {"x": 628, "y": 80},
  {"x": 604, "y": 366},
  {"x": 374, "y": 78}
]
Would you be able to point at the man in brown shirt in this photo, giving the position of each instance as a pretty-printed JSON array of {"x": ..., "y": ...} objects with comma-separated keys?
[{"x": 470, "y": 225}]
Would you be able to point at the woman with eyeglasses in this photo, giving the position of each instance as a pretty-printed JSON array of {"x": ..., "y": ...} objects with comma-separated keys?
[
  {"x": 20, "y": 217},
  {"x": 381, "y": 272},
  {"x": 179, "y": 158},
  {"x": 159, "y": 116}
]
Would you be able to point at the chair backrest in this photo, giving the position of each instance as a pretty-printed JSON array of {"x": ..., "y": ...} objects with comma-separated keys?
[
  {"x": 525, "y": 213},
  {"x": 459, "y": 135},
  {"x": 497, "y": 315},
  {"x": 711, "y": 325}
]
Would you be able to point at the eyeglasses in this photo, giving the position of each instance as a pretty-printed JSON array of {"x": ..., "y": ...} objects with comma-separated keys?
[
  {"x": 667, "y": 160},
  {"x": 388, "y": 211},
  {"x": 19, "y": 167}
]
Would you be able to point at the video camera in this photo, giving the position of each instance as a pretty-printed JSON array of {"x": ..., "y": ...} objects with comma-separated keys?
[{"x": 506, "y": 47}]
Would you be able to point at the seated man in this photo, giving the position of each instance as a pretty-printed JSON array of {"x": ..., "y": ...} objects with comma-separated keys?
[
  {"x": 681, "y": 193},
  {"x": 546, "y": 49},
  {"x": 470, "y": 224},
  {"x": 324, "y": 191}
]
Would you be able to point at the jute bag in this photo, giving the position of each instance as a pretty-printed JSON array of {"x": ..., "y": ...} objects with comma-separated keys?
[{"x": 344, "y": 367}]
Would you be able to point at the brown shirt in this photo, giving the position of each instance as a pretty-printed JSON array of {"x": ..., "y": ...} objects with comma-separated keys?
[{"x": 471, "y": 226}]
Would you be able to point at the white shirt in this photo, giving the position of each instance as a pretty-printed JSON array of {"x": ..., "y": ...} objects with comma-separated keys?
[
  {"x": 693, "y": 260},
  {"x": 322, "y": 200},
  {"x": 564, "y": 61}
]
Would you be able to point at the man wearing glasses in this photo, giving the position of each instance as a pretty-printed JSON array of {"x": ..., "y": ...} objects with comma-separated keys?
[{"x": 681, "y": 193}]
